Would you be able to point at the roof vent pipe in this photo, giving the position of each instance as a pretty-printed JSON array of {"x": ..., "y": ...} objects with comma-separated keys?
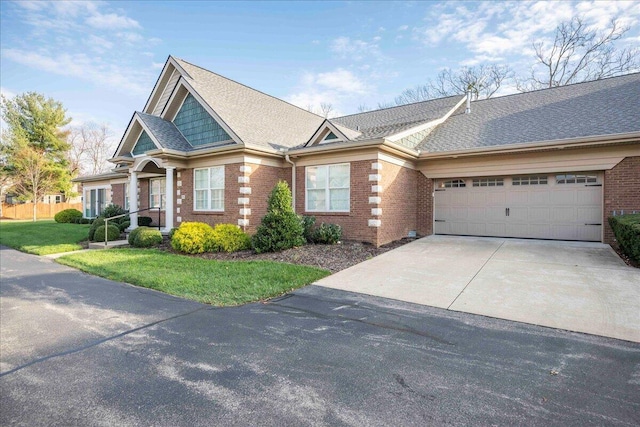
[{"x": 468, "y": 109}]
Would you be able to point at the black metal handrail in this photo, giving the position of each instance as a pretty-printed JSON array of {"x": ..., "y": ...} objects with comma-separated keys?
[{"x": 106, "y": 220}]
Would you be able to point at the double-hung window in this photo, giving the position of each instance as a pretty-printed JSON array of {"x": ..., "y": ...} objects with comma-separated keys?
[
  {"x": 208, "y": 189},
  {"x": 328, "y": 188},
  {"x": 157, "y": 187},
  {"x": 126, "y": 196}
]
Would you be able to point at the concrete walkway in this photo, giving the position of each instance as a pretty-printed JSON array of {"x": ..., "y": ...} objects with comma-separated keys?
[{"x": 577, "y": 286}]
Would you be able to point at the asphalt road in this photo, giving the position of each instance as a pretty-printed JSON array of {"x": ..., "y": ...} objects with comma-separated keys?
[{"x": 80, "y": 350}]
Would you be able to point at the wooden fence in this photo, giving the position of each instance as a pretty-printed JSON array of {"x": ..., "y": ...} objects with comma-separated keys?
[{"x": 43, "y": 210}]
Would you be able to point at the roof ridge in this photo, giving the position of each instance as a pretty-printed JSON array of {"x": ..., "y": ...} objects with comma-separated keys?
[
  {"x": 248, "y": 87},
  {"x": 557, "y": 87},
  {"x": 397, "y": 106}
]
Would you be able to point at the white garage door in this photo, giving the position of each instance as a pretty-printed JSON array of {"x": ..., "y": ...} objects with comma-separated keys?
[{"x": 563, "y": 206}]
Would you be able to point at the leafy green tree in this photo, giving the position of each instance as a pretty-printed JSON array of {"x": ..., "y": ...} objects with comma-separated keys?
[
  {"x": 35, "y": 146},
  {"x": 280, "y": 228}
]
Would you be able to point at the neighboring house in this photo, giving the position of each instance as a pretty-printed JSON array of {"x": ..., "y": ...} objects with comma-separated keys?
[{"x": 548, "y": 164}]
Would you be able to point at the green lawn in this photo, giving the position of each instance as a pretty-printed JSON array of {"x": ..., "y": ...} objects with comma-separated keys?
[
  {"x": 208, "y": 281},
  {"x": 42, "y": 237}
]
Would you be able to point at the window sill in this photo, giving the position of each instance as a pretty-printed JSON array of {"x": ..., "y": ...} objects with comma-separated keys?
[
  {"x": 327, "y": 213},
  {"x": 207, "y": 212}
]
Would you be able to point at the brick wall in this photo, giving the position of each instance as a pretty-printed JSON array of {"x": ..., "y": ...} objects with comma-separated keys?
[
  {"x": 424, "y": 208},
  {"x": 262, "y": 180},
  {"x": 230, "y": 214},
  {"x": 621, "y": 191},
  {"x": 355, "y": 222},
  {"x": 399, "y": 187},
  {"x": 117, "y": 194}
]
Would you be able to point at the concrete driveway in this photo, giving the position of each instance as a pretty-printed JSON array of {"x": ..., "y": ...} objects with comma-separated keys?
[{"x": 577, "y": 286}]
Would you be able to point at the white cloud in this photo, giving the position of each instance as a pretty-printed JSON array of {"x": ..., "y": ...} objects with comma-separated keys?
[
  {"x": 334, "y": 87},
  {"x": 493, "y": 30},
  {"x": 80, "y": 66},
  {"x": 111, "y": 21},
  {"x": 403, "y": 28},
  {"x": 114, "y": 51},
  {"x": 357, "y": 50},
  {"x": 7, "y": 93}
]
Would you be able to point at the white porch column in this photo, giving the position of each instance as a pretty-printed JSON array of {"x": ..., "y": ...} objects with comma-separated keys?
[
  {"x": 133, "y": 199},
  {"x": 168, "y": 194}
]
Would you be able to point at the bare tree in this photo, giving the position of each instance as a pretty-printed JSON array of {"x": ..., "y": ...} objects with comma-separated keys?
[
  {"x": 483, "y": 81},
  {"x": 325, "y": 109},
  {"x": 578, "y": 54},
  {"x": 91, "y": 146},
  {"x": 363, "y": 108}
]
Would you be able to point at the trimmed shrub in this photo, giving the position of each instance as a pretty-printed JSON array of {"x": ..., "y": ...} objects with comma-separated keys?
[
  {"x": 280, "y": 227},
  {"x": 114, "y": 210},
  {"x": 94, "y": 225},
  {"x": 328, "y": 234},
  {"x": 626, "y": 228},
  {"x": 144, "y": 221},
  {"x": 85, "y": 221},
  {"x": 112, "y": 230},
  {"x": 132, "y": 235},
  {"x": 68, "y": 215},
  {"x": 229, "y": 238},
  {"x": 172, "y": 232},
  {"x": 307, "y": 227},
  {"x": 193, "y": 238},
  {"x": 124, "y": 225},
  {"x": 147, "y": 237}
]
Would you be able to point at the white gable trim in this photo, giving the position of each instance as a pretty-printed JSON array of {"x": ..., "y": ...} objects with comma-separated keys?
[
  {"x": 398, "y": 136},
  {"x": 128, "y": 133},
  {"x": 156, "y": 88},
  {"x": 323, "y": 131},
  {"x": 183, "y": 83}
]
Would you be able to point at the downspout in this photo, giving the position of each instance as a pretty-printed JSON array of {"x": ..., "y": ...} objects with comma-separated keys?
[{"x": 293, "y": 180}]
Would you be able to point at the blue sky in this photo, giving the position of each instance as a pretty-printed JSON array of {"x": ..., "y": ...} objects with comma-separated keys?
[{"x": 102, "y": 58}]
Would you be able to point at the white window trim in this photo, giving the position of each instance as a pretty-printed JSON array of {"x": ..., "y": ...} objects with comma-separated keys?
[
  {"x": 224, "y": 184},
  {"x": 327, "y": 190},
  {"x": 162, "y": 188},
  {"x": 126, "y": 201},
  {"x": 107, "y": 196}
]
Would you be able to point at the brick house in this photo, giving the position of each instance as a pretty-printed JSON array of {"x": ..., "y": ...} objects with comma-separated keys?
[{"x": 548, "y": 164}]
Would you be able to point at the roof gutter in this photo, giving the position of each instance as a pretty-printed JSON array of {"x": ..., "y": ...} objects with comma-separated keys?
[
  {"x": 350, "y": 146},
  {"x": 536, "y": 146}
]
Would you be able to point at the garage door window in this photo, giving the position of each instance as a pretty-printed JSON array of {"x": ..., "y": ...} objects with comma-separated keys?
[
  {"x": 569, "y": 178},
  {"x": 529, "y": 180},
  {"x": 453, "y": 183},
  {"x": 488, "y": 182}
]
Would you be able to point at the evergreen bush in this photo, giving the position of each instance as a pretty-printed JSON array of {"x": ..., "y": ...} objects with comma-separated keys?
[
  {"x": 307, "y": 227},
  {"x": 94, "y": 225},
  {"x": 626, "y": 228},
  {"x": 144, "y": 221},
  {"x": 280, "y": 228},
  {"x": 112, "y": 230},
  {"x": 328, "y": 234},
  {"x": 115, "y": 210},
  {"x": 147, "y": 237},
  {"x": 193, "y": 238},
  {"x": 132, "y": 235},
  {"x": 124, "y": 225},
  {"x": 68, "y": 216},
  {"x": 230, "y": 238}
]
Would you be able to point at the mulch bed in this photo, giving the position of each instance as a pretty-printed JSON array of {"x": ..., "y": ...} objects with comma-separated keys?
[{"x": 329, "y": 257}]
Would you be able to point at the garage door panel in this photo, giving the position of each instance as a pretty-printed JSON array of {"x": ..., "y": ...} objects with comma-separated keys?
[{"x": 531, "y": 209}]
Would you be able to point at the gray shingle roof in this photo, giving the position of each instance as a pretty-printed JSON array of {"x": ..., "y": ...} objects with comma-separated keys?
[
  {"x": 255, "y": 117},
  {"x": 388, "y": 121},
  {"x": 165, "y": 132},
  {"x": 601, "y": 107}
]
